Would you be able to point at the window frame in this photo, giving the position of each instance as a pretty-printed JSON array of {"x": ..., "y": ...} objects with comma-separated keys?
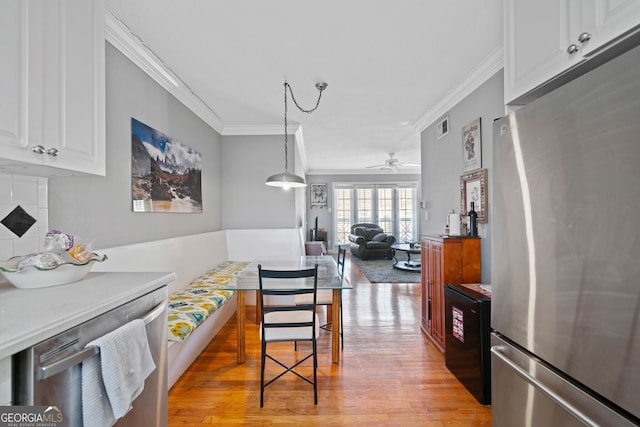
[{"x": 356, "y": 208}]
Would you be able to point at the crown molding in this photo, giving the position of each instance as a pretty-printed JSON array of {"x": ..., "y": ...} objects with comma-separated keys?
[
  {"x": 369, "y": 172},
  {"x": 493, "y": 63},
  {"x": 123, "y": 39},
  {"x": 254, "y": 129}
]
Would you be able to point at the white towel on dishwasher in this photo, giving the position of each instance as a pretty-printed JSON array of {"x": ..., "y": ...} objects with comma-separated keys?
[
  {"x": 125, "y": 362},
  {"x": 96, "y": 409}
]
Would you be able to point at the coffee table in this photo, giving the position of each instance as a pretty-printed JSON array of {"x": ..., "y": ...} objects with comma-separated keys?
[{"x": 409, "y": 264}]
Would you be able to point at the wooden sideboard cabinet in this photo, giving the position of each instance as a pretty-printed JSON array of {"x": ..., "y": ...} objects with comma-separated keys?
[{"x": 445, "y": 260}]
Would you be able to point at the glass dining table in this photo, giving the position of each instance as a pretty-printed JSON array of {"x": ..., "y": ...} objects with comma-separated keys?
[{"x": 328, "y": 278}]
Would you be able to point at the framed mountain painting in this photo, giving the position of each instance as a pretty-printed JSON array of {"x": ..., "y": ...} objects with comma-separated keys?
[{"x": 166, "y": 175}]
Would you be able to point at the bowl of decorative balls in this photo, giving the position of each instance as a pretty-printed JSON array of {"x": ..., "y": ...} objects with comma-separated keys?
[{"x": 65, "y": 260}]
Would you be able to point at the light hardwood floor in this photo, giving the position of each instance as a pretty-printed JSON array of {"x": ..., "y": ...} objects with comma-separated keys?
[{"x": 390, "y": 373}]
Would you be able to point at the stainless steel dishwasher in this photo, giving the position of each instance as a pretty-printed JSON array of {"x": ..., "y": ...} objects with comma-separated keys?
[{"x": 50, "y": 373}]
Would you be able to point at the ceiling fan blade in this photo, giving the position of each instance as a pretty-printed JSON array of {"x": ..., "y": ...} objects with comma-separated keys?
[{"x": 393, "y": 164}]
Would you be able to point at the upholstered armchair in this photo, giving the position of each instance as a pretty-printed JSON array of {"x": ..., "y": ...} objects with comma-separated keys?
[{"x": 370, "y": 241}]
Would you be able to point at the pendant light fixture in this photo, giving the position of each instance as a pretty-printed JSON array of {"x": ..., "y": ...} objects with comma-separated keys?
[{"x": 287, "y": 180}]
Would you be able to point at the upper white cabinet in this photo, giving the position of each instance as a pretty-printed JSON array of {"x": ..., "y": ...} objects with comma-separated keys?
[
  {"x": 546, "y": 38},
  {"x": 13, "y": 84},
  {"x": 52, "y": 100}
]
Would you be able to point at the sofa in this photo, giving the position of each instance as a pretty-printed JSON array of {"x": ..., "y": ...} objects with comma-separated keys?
[{"x": 370, "y": 241}]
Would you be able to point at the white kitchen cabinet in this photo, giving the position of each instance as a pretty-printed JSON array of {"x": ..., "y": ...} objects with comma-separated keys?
[
  {"x": 52, "y": 112},
  {"x": 606, "y": 21},
  {"x": 13, "y": 84},
  {"x": 547, "y": 38}
]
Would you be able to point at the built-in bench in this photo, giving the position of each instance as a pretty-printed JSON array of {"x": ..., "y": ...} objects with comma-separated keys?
[
  {"x": 190, "y": 307},
  {"x": 198, "y": 308}
]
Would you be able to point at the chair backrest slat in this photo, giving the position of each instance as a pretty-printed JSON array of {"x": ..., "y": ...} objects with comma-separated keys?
[
  {"x": 283, "y": 292},
  {"x": 287, "y": 274}
]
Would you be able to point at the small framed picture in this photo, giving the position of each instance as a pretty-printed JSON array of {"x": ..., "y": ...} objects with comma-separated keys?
[
  {"x": 442, "y": 128},
  {"x": 318, "y": 195},
  {"x": 472, "y": 146},
  {"x": 473, "y": 188}
]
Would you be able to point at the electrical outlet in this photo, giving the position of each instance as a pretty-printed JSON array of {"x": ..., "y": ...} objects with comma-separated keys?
[{"x": 426, "y": 214}]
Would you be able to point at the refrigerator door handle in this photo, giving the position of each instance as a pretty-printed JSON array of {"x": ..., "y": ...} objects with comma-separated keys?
[{"x": 496, "y": 350}]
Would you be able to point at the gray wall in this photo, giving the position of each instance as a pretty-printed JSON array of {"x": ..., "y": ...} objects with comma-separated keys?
[
  {"x": 234, "y": 194},
  {"x": 100, "y": 207},
  {"x": 300, "y": 194},
  {"x": 325, "y": 216},
  {"x": 246, "y": 201},
  {"x": 442, "y": 162}
]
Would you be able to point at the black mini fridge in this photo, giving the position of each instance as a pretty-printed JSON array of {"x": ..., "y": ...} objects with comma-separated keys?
[{"x": 467, "y": 318}]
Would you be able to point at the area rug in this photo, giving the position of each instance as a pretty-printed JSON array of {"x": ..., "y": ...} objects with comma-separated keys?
[{"x": 382, "y": 271}]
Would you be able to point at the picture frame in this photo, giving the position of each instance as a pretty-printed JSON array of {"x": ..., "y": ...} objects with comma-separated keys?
[
  {"x": 473, "y": 188},
  {"x": 166, "y": 175},
  {"x": 442, "y": 127},
  {"x": 472, "y": 146},
  {"x": 318, "y": 194}
]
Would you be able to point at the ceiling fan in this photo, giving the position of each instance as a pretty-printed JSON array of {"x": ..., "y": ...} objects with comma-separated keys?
[{"x": 393, "y": 164}]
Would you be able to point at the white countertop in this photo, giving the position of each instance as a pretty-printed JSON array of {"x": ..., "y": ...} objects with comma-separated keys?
[{"x": 28, "y": 316}]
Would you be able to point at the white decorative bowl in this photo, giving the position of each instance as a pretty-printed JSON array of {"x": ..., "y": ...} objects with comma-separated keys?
[{"x": 35, "y": 277}]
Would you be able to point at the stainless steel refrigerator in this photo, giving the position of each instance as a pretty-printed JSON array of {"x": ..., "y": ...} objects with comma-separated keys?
[{"x": 566, "y": 254}]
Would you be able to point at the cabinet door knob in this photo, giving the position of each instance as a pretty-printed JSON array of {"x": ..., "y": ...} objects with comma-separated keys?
[
  {"x": 38, "y": 149},
  {"x": 573, "y": 48},
  {"x": 584, "y": 37},
  {"x": 53, "y": 152}
]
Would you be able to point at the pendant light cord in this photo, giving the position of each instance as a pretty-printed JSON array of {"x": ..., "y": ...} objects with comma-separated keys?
[
  {"x": 286, "y": 140},
  {"x": 287, "y": 85}
]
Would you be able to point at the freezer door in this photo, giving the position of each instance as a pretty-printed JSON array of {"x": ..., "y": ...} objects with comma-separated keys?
[
  {"x": 566, "y": 197},
  {"x": 527, "y": 392}
]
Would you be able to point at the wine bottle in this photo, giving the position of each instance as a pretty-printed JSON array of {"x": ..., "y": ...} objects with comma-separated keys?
[{"x": 473, "y": 221}]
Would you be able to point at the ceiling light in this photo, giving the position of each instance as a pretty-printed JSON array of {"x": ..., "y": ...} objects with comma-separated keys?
[{"x": 287, "y": 180}]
